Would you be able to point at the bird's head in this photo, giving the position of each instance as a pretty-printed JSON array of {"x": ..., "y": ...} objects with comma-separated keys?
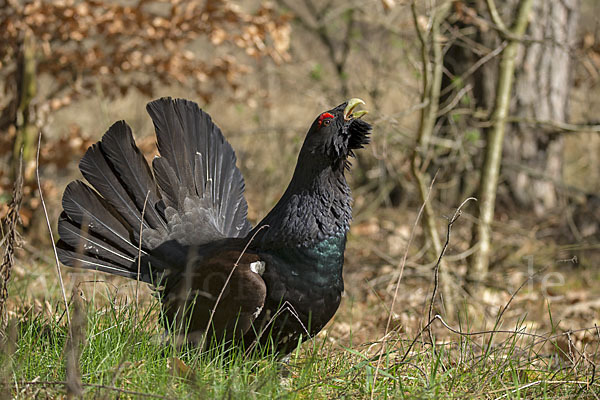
[{"x": 337, "y": 132}]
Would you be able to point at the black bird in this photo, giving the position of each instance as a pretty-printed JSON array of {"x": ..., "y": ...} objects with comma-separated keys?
[{"x": 182, "y": 225}]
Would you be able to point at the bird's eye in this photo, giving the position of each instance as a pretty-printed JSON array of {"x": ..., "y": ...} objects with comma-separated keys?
[{"x": 325, "y": 119}]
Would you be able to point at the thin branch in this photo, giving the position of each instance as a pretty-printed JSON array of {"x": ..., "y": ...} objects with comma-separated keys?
[
  {"x": 431, "y": 320},
  {"x": 496, "y": 17},
  {"x": 432, "y": 71},
  {"x": 557, "y": 125},
  {"x": 58, "y": 271},
  {"x": 493, "y": 155},
  {"x": 565, "y": 127},
  {"x": 569, "y": 190},
  {"x": 473, "y": 68},
  {"x": 454, "y": 101},
  {"x": 139, "y": 263},
  {"x": 436, "y": 269}
]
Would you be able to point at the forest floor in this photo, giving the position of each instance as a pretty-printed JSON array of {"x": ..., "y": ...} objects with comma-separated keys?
[{"x": 531, "y": 332}]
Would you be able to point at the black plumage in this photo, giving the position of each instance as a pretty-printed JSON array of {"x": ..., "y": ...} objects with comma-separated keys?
[{"x": 275, "y": 282}]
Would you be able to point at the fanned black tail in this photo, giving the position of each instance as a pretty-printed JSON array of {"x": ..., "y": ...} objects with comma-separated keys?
[
  {"x": 203, "y": 165},
  {"x": 195, "y": 196}
]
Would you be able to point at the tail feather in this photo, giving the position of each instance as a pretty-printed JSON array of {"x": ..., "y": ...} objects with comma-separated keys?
[
  {"x": 198, "y": 154},
  {"x": 101, "y": 229},
  {"x": 200, "y": 178},
  {"x": 100, "y": 175},
  {"x": 85, "y": 207},
  {"x": 74, "y": 259},
  {"x": 72, "y": 234},
  {"x": 172, "y": 141},
  {"x": 165, "y": 177},
  {"x": 195, "y": 197},
  {"x": 131, "y": 167}
]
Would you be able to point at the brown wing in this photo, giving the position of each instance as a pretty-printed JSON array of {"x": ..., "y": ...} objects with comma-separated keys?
[{"x": 240, "y": 299}]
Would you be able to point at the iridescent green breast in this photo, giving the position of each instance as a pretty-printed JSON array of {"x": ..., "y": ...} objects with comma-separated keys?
[
  {"x": 307, "y": 282},
  {"x": 314, "y": 267}
]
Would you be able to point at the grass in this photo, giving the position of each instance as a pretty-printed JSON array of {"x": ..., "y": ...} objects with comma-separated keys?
[{"x": 124, "y": 352}]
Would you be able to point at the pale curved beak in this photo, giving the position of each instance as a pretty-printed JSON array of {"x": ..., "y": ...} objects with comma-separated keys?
[{"x": 349, "y": 110}]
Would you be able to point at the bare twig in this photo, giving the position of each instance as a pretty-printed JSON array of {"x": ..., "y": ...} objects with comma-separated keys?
[
  {"x": 139, "y": 263},
  {"x": 58, "y": 271},
  {"x": 553, "y": 127},
  {"x": 318, "y": 26},
  {"x": 557, "y": 126},
  {"x": 473, "y": 68},
  {"x": 486, "y": 332},
  {"x": 455, "y": 99},
  {"x": 431, "y": 320},
  {"x": 436, "y": 269},
  {"x": 495, "y": 16},
  {"x": 432, "y": 71}
]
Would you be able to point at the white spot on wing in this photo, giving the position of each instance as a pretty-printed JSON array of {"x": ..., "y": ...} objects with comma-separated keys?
[
  {"x": 258, "y": 267},
  {"x": 257, "y": 312}
]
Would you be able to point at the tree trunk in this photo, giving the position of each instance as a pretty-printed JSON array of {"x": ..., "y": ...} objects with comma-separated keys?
[
  {"x": 542, "y": 85},
  {"x": 541, "y": 88},
  {"x": 26, "y": 130}
]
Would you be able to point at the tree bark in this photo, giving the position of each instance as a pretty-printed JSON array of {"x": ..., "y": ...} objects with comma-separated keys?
[
  {"x": 542, "y": 85},
  {"x": 542, "y": 82},
  {"x": 25, "y": 139}
]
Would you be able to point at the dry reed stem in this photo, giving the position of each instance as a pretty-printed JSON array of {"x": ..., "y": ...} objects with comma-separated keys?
[
  {"x": 139, "y": 262},
  {"x": 58, "y": 271}
]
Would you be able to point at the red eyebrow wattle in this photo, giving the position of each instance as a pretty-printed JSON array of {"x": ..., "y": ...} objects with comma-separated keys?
[{"x": 323, "y": 116}]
